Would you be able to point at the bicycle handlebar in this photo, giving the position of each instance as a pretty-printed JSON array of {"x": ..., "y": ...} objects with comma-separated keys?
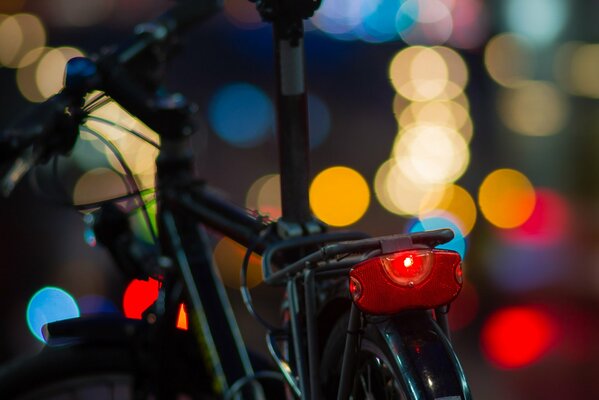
[{"x": 51, "y": 128}]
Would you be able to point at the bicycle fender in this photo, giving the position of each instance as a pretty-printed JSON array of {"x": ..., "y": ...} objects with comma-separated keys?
[
  {"x": 424, "y": 357},
  {"x": 94, "y": 330}
]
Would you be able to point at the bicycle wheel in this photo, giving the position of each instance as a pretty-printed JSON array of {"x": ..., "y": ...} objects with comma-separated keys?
[
  {"x": 71, "y": 373},
  {"x": 405, "y": 357}
]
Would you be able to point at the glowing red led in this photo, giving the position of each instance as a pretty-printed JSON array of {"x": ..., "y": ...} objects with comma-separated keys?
[
  {"x": 182, "y": 322},
  {"x": 518, "y": 336}
]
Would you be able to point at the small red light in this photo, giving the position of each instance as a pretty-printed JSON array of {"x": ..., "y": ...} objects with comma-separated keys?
[
  {"x": 182, "y": 318},
  {"x": 408, "y": 269},
  {"x": 412, "y": 279},
  {"x": 459, "y": 274},
  {"x": 355, "y": 288}
]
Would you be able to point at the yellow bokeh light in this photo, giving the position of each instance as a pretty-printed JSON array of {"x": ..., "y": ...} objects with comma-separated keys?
[
  {"x": 11, "y": 40},
  {"x": 139, "y": 155},
  {"x": 339, "y": 196},
  {"x": 265, "y": 196},
  {"x": 228, "y": 256},
  {"x": 509, "y": 59},
  {"x": 506, "y": 198},
  {"x": 51, "y": 69},
  {"x": 457, "y": 71},
  {"x": 26, "y": 76},
  {"x": 456, "y": 203},
  {"x": 583, "y": 76},
  {"x": 400, "y": 195},
  {"x": 19, "y": 34},
  {"x": 431, "y": 153},
  {"x": 448, "y": 114},
  {"x": 421, "y": 73},
  {"x": 533, "y": 108},
  {"x": 97, "y": 185}
]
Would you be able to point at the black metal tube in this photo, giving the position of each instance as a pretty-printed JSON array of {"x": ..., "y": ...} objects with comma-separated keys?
[
  {"x": 349, "y": 354},
  {"x": 312, "y": 333},
  {"x": 223, "y": 217},
  {"x": 298, "y": 337},
  {"x": 442, "y": 320},
  {"x": 292, "y": 119}
]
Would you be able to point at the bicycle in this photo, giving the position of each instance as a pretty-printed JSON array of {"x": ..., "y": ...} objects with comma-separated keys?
[{"x": 362, "y": 317}]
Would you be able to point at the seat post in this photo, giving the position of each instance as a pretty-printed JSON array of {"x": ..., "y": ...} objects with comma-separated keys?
[{"x": 291, "y": 104}]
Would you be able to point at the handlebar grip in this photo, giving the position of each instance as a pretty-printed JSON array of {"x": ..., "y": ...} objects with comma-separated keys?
[{"x": 45, "y": 129}]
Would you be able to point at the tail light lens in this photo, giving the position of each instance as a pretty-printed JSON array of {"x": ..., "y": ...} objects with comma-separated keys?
[{"x": 411, "y": 279}]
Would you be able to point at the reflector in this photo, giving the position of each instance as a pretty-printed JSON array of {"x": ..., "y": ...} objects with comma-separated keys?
[{"x": 410, "y": 279}]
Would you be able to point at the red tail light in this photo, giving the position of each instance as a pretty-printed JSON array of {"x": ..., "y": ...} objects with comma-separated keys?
[{"x": 411, "y": 279}]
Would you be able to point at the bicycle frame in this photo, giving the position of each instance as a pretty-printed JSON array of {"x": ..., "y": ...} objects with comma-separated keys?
[{"x": 290, "y": 254}]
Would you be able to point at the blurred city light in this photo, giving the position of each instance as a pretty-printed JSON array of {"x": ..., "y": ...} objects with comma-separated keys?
[
  {"x": 49, "y": 304},
  {"x": 549, "y": 224},
  {"x": 541, "y": 21},
  {"x": 228, "y": 257},
  {"x": 139, "y": 296},
  {"x": 519, "y": 336},
  {"x": 49, "y": 75},
  {"x": 506, "y": 198},
  {"x": 456, "y": 205},
  {"x": 431, "y": 154},
  {"x": 534, "y": 108},
  {"x": 241, "y": 114},
  {"x": 264, "y": 196},
  {"x": 404, "y": 195},
  {"x": 509, "y": 59},
  {"x": 339, "y": 196},
  {"x": 579, "y": 63},
  {"x": 458, "y": 243},
  {"x": 19, "y": 35},
  {"x": 97, "y": 185},
  {"x": 26, "y": 75},
  {"x": 425, "y": 22}
]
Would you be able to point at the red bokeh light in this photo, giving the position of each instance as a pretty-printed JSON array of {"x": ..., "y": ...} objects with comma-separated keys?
[
  {"x": 518, "y": 336},
  {"x": 138, "y": 296},
  {"x": 549, "y": 223}
]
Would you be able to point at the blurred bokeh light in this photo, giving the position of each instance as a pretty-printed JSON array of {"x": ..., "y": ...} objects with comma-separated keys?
[
  {"x": 241, "y": 114},
  {"x": 339, "y": 196},
  {"x": 506, "y": 198},
  {"x": 516, "y": 337},
  {"x": 228, "y": 256},
  {"x": 139, "y": 296},
  {"x": 533, "y": 108},
  {"x": 49, "y": 304}
]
